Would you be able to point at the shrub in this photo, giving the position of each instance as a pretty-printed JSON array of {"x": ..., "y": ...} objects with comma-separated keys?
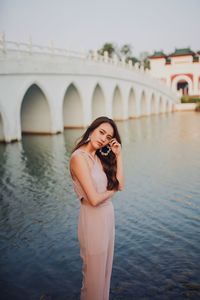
[
  {"x": 190, "y": 99},
  {"x": 197, "y": 108}
]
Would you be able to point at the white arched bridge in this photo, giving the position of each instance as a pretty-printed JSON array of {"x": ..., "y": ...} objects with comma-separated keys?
[{"x": 44, "y": 90}]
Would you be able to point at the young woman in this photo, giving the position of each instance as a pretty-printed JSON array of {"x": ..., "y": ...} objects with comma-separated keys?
[{"x": 97, "y": 173}]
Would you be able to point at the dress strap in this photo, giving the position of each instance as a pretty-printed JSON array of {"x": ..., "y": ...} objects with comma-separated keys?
[{"x": 90, "y": 155}]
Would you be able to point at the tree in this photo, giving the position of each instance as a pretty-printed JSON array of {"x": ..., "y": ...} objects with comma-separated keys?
[
  {"x": 109, "y": 47},
  {"x": 144, "y": 59},
  {"x": 126, "y": 50},
  {"x": 133, "y": 59}
]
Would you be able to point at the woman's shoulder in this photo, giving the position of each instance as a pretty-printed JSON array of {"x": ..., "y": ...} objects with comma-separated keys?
[
  {"x": 80, "y": 156},
  {"x": 79, "y": 161},
  {"x": 76, "y": 154},
  {"x": 74, "y": 159}
]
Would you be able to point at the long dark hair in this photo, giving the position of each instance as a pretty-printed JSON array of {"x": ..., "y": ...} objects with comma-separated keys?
[{"x": 109, "y": 162}]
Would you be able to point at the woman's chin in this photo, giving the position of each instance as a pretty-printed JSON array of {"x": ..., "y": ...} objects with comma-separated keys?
[{"x": 97, "y": 146}]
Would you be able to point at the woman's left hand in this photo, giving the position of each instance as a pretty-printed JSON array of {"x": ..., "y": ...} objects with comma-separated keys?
[{"x": 115, "y": 146}]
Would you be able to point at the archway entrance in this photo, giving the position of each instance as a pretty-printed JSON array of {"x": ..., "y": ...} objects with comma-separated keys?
[
  {"x": 182, "y": 86},
  {"x": 72, "y": 108},
  {"x": 35, "y": 112},
  {"x": 143, "y": 105},
  {"x": 117, "y": 105},
  {"x": 98, "y": 103},
  {"x": 131, "y": 105}
]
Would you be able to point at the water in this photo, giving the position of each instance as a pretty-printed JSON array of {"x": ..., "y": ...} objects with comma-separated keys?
[{"x": 157, "y": 250}]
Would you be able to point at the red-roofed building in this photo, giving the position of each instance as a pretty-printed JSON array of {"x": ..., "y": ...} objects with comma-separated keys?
[{"x": 180, "y": 70}]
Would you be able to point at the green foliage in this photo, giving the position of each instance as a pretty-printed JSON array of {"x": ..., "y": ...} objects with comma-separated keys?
[
  {"x": 109, "y": 47},
  {"x": 190, "y": 99},
  {"x": 146, "y": 64},
  {"x": 197, "y": 108},
  {"x": 125, "y": 52},
  {"x": 133, "y": 59}
]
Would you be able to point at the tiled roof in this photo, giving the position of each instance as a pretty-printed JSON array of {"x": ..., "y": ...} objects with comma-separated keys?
[
  {"x": 158, "y": 54},
  {"x": 182, "y": 52}
]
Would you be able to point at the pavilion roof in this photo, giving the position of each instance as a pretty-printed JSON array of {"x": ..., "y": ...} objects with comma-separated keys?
[
  {"x": 158, "y": 54},
  {"x": 182, "y": 52}
]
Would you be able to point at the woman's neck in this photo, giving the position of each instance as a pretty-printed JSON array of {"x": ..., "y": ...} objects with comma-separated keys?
[{"x": 90, "y": 149}]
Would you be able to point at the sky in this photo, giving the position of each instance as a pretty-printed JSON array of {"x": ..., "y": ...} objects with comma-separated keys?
[{"x": 83, "y": 25}]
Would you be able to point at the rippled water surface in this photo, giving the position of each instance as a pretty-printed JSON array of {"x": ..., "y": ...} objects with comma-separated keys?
[{"x": 157, "y": 250}]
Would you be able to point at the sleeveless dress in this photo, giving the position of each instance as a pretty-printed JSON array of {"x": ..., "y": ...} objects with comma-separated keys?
[{"x": 96, "y": 234}]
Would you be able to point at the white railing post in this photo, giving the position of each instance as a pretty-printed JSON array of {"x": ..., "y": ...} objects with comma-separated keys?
[
  {"x": 130, "y": 63},
  {"x": 95, "y": 53},
  {"x": 18, "y": 49},
  {"x": 2, "y": 42},
  {"x": 30, "y": 45},
  {"x": 52, "y": 48},
  {"x": 105, "y": 56},
  {"x": 137, "y": 66},
  {"x": 123, "y": 61},
  {"x": 115, "y": 59}
]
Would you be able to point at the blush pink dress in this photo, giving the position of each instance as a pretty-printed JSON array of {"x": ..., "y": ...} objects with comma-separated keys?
[{"x": 96, "y": 234}]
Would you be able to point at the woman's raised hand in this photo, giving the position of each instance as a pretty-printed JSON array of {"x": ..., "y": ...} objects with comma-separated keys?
[{"x": 115, "y": 146}]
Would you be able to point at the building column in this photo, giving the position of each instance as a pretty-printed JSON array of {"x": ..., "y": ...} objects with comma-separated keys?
[{"x": 196, "y": 90}]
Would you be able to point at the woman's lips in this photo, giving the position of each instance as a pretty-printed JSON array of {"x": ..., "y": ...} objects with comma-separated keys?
[{"x": 100, "y": 144}]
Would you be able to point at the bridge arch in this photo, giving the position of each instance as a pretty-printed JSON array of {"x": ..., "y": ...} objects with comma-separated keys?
[
  {"x": 132, "y": 104},
  {"x": 143, "y": 104},
  {"x": 167, "y": 107},
  {"x": 161, "y": 105},
  {"x": 117, "y": 104},
  {"x": 98, "y": 102},
  {"x": 72, "y": 107},
  {"x": 68, "y": 94},
  {"x": 153, "y": 104},
  {"x": 2, "y": 136},
  {"x": 35, "y": 114}
]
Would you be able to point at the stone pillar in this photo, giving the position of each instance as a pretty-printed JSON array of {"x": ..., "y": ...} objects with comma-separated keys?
[
  {"x": 11, "y": 126},
  {"x": 105, "y": 55},
  {"x": 196, "y": 90},
  {"x": 30, "y": 45},
  {"x": 123, "y": 61},
  {"x": 168, "y": 81},
  {"x": 2, "y": 42},
  {"x": 137, "y": 66},
  {"x": 115, "y": 59},
  {"x": 130, "y": 63},
  {"x": 95, "y": 55},
  {"x": 52, "y": 48}
]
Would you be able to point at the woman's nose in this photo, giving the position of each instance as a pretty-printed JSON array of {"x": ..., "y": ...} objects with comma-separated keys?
[{"x": 103, "y": 139}]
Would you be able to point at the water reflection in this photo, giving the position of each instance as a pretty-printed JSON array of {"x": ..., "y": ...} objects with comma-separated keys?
[
  {"x": 157, "y": 215},
  {"x": 37, "y": 151},
  {"x": 71, "y": 137}
]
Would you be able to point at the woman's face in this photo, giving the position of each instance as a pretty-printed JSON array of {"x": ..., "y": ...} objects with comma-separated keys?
[{"x": 102, "y": 135}]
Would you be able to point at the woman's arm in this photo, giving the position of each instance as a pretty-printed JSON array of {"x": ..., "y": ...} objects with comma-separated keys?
[
  {"x": 117, "y": 150},
  {"x": 79, "y": 169},
  {"x": 119, "y": 174}
]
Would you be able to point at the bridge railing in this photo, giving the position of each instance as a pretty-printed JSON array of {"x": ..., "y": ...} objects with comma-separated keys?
[
  {"x": 29, "y": 48},
  {"x": 19, "y": 48}
]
